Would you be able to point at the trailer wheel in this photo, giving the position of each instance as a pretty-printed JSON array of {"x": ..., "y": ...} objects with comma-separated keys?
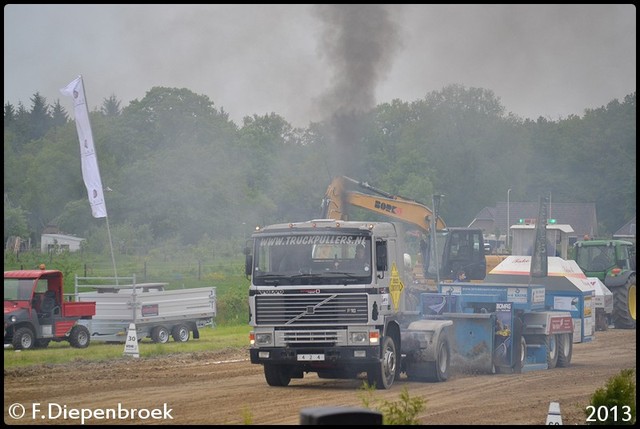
[
  {"x": 624, "y": 304},
  {"x": 565, "y": 349},
  {"x": 23, "y": 339},
  {"x": 160, "y": 334},
  {"x": 383, "y": 373},
  {"x": 277, "y": 375},
  {"x": 551, "y": 341},
  {"x": 79, "y": 337},
  {"x": 180, "y": 333},
  {"x": 602, "y": 324},
  {"x": 523, "y": 353}
]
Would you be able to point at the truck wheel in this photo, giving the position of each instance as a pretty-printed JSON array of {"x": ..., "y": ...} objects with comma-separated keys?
[
  {"x": 624, "y": 304},
  {"x": 435, "y": 371},
  {"x": 79, "y": 337},
  {"x": 383, "y": 374},
  {"x": 180, "y": 333},
  {"x": 160, "y": 334},
  {"x": 565, "y": 349},
  {"x": 23, "y": 339},
  {"x": 277, "y": 375}
]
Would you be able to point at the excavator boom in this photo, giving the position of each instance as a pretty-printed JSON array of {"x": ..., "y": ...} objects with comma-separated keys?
[
  {"x": 338, "y": 198},
  {"x": 457, "y": 248}
]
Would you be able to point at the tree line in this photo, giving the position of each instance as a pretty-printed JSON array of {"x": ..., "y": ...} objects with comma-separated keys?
[{"x": 177, "y": 170}]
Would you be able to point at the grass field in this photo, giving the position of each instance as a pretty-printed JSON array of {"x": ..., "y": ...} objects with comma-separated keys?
[{"x": 211, "y": 338}]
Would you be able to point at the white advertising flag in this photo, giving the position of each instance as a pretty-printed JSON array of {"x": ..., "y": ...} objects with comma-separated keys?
[{"x": 88, "y": 158}]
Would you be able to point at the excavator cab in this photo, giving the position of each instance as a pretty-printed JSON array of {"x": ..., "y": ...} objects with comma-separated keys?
[{"x": 464, "y": 250}]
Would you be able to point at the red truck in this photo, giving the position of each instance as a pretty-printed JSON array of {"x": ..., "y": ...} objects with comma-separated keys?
[{"x": 36, "y": 312}]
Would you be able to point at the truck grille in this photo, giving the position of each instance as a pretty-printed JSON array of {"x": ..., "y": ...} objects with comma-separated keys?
[
  {"x": 320, "y": 309},
  {"x": 311, "y": 337}
]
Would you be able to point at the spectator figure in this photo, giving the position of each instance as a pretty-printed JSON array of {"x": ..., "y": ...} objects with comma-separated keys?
[{"x": 461, "y": 277}]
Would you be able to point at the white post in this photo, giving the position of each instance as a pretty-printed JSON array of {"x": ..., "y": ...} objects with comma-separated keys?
[{"x": 508, "y": 220}]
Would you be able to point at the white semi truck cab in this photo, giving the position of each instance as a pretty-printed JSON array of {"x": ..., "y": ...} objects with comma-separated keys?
[{"x": 317, "y": 307}]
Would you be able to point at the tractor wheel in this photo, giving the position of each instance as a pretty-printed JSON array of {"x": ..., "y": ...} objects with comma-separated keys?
[
  {"x": 23, "y": 339},
  {"x": 624, "y": 305},
  {"x": 79, "y": 337}
]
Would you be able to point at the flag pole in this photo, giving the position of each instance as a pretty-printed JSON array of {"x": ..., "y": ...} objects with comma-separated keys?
[
  {"x": 106, "y": 216},
  {"x": 88, "y": 157},
  {"x": 113, "y": 259}
]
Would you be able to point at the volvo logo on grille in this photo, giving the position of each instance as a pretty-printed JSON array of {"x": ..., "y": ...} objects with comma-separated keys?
[{"x": 310, "y": 309}]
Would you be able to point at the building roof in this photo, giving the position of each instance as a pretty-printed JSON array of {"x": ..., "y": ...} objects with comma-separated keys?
[
  {"x": 62, "y": 237},
  {"x": 628, "y": 230},
  {"x": 580, "y": 216}
]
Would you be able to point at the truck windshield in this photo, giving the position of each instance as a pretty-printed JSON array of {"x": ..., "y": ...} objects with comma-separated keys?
[
  {"x": 312, "y": 259},
  {"x": 18, "y": 289}
]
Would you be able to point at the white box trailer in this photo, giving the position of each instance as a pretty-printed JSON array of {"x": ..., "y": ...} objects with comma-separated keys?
[{"x": 157, "y": 313}]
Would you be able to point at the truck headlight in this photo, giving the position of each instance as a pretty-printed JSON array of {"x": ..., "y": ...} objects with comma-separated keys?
[
  {"x": 13, "y": 319},
  {"x": 359, "y": 338},
  {"x": 264, "y": 339}
]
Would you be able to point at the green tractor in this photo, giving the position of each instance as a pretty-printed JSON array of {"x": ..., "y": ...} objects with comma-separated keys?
[{"x": 614, "y": 263}]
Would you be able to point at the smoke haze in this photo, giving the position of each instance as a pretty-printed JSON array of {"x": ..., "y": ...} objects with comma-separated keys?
[{"x": 309, "y": 62}]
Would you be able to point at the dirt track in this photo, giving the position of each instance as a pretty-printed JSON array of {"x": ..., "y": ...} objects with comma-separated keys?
[{"x": 224, "y": 388}]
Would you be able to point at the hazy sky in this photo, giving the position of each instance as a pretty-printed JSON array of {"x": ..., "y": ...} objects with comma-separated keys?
[{"x": 540, "y": 60}]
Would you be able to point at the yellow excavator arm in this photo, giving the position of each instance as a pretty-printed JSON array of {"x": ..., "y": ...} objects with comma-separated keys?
[{"x": 339, "y": 197}]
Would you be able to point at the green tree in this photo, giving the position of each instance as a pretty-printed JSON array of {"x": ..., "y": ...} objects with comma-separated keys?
[
  {"x": 39, "y": 117},
  {"x": 110, "y": 106}
]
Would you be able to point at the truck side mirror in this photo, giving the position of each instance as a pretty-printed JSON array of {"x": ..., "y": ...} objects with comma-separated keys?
[
  {"x": 248, "y": 262},
  {"x": 381, "y": 256}
]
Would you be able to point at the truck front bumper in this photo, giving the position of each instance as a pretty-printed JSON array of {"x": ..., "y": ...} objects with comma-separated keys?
[{"x": 316, "y": 356}]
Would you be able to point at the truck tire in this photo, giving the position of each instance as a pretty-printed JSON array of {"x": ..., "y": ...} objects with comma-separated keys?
[
  {"x": 180, "y": 333},
  {"x": 79, "y": 337},
  {"x": 23, "y": 339},
  {"x": 624, "y": 304},
  {"x": 383, "y": 373},
  {"x": 277, "y": 375},
  {"x": 160, "y": 334},
  {"x": 565, "y": 349},
  {"x": 435, "y": 371}
]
